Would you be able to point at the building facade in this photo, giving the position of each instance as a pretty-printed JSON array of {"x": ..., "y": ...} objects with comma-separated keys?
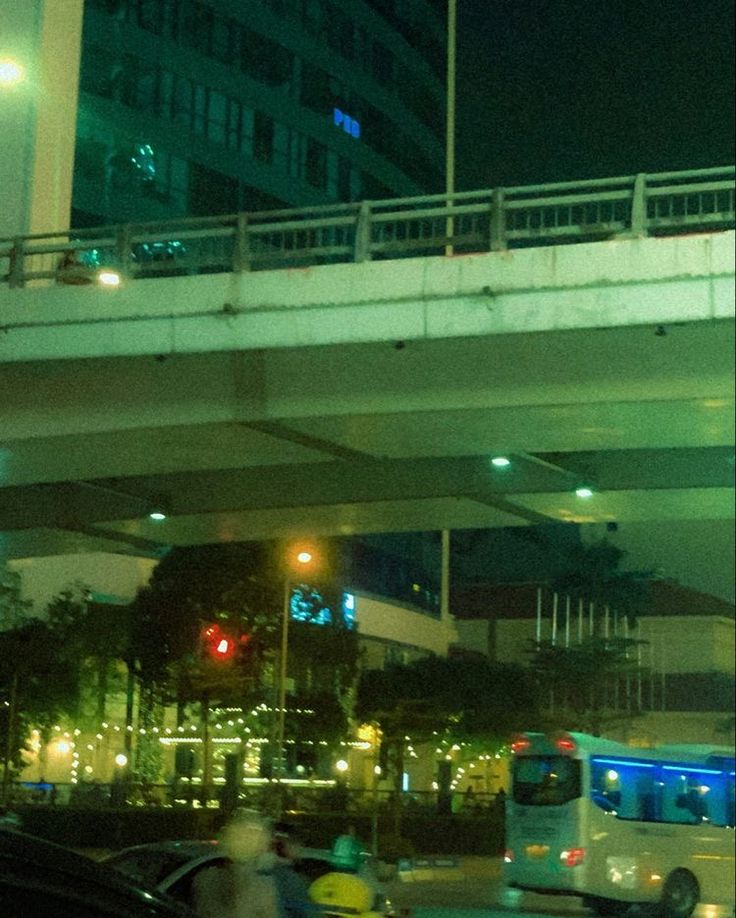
[
  {"x": 201, "y": 107},
  {"x": 683, "y": 654}
]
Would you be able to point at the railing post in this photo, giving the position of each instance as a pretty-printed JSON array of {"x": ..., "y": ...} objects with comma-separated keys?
[
  {"x": 15, "y": 268},
  {"x": 363, "y": 233},
  {"x": 639, "y": 206},
  {"x": 498, "y": 221},
  {"x": 241, "y": 252},
  {"x": 122, "y": 248}
]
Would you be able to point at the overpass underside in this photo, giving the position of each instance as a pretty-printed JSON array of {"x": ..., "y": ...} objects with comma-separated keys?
[{"x": 371, "y": 397}]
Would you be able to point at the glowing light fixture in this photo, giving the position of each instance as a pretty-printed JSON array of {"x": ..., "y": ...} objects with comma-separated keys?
[
  {"x": 11, "y": 72},
  {"x": 108, "y": 278},
  {"x": 121, "y": 760},
  {"x": 157, "y": 514},
  {"x": 501, "y": 462},
  {"x": 341, "y": 765},
  {"x": 584, "y": 491}
]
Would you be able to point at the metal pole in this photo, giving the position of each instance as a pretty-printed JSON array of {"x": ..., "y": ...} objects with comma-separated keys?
[
  {"x": 567, "y": 621},
  {"x": 282, "y": 674},
  {"x": 450, "y": 126},
  {"x": 555, "y": 600},
  {"x": 580, "y": 620},
  {"x": 9, "y": 739},
  {"x": 539, "y": 614},
  {"x": 445, "y": 577}
]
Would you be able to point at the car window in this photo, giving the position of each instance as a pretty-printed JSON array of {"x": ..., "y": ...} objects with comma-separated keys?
[
  {"x": 148, "y": 867},
  {"x": 183, "y": 889}
]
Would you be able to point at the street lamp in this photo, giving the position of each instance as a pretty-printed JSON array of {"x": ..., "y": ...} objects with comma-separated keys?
[
  {"x": 450, "y": 119},
  {"x": 296, "y": 559}
]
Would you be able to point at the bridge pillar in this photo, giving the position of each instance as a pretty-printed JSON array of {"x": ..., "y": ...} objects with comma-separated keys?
[{"x": 39, "y": 113}]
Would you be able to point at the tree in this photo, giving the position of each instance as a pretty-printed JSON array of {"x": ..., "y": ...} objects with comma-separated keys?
[
  {"x": 465, "y": 700},
  {"x": 581, "y": 681},
  {"x": 593, "y": 573},
  {"x": 36, "y": 686},
  {"x": 239, "y": 588}
]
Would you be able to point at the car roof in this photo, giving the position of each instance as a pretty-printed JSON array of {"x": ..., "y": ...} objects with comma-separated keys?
[
  {"x": 185, "y": 847},
  {"x": 31, "y": 863}
]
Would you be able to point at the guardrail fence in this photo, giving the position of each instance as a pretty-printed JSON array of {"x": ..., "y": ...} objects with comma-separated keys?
[{"x": 664, "y": 203}]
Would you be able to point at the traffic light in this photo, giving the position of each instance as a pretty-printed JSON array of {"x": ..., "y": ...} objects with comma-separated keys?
[{"x": 220, "y": 645}]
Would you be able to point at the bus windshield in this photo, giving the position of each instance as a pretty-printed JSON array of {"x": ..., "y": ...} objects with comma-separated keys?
[{"x": 546, "y": 780}]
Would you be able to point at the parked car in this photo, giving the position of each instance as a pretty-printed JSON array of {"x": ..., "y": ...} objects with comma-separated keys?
[
  {"x": 170, "y": 867},
  {"x": 44, "y": 880}
]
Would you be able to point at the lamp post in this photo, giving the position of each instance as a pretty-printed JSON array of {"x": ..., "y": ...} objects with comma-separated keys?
[
  {"x": 450, "y": 124},
  {"x": 304, "y": 559}
]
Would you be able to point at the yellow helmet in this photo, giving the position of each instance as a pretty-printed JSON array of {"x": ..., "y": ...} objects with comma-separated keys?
[{"x": 342, "y": 891}]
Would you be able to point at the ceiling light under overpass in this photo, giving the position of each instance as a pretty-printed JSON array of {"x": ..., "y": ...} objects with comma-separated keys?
[
  {"x": 500, "y": 462},
  {"x": 584, "y": 491}
]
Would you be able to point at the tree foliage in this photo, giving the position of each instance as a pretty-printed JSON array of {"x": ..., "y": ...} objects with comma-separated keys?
[
  {"x": 465, "y": 700},
  {"x": 579, "y": 682},
  {"x": 593, "y": 573},
  {"x": 239, "y": 586}
]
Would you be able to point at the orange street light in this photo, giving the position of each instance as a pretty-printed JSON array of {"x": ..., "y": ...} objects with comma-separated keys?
[{"x": 296, "y": 559}]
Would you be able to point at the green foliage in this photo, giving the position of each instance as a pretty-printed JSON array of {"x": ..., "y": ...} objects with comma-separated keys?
[
  {"x": 593, "y": 573},
  {"x": 240, "y": 586},
  {"x": 579, "y": 679},
  {"x": 45, "y": 686},
  {"x": 464, "y": 699}
]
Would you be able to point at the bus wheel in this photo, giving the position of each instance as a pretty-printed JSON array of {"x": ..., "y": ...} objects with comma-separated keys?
[{"x": 680, "y": 895}]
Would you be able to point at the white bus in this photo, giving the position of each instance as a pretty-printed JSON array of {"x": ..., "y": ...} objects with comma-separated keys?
[{"x": 616, "y": 825}]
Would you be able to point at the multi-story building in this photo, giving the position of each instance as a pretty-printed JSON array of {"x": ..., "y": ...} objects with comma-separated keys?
[
  {"x": 683, "y": 656},
  {"x": 201, "y": 107}
]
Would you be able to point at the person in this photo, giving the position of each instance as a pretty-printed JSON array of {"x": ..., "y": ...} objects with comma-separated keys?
[
  {"x": 239, "y": 889},
  {"x": 291, "y": 888},
  {"x": 347, "y": 852}
]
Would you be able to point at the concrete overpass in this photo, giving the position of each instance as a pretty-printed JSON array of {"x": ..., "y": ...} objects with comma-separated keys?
[{"x": 288, "y": 393}]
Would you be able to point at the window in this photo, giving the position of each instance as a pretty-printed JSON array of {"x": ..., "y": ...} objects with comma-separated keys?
[
  {"x": 548, "y": 780},
  {"x": 197, "y": 26},
  {"x": 263, "y": 137},
  {"x": 264, "y": 60},
  {"x": 181, "y": 109},
  {"x": 316, "y": 164}
]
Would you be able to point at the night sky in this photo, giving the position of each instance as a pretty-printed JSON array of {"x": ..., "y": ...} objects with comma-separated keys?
[{"x": 556, "y": 90}]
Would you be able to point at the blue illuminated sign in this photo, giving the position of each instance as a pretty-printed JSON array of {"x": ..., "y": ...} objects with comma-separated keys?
[{"x": 348, "y": 124}]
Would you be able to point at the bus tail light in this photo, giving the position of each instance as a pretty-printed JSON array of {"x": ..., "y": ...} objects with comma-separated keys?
[
  {"x": 508, "y": 856},
  {"x": 520, "y": 744},
  {"x": 572, "y": 857},
  {"x": 565, "y": 743}
]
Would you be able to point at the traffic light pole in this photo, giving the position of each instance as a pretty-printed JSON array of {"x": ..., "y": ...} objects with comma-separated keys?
[{"x": 283, "y": 662}]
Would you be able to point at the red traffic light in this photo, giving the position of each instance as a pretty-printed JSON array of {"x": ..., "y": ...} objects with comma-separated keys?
[{"x": 217, "y": 644}]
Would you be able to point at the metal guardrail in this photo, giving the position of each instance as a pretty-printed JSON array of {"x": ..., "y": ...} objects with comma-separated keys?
[{"x": 665, "y": 203}]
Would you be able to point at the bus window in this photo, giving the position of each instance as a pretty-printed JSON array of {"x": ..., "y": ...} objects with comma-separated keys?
[
  {"x": 625, "y": 788},
  {"x": 545, "y": 780},
  {"x": 686, "y": 797}
]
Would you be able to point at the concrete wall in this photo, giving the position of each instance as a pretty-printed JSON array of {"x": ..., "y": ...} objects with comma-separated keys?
[{"x": 380, "y": 618}]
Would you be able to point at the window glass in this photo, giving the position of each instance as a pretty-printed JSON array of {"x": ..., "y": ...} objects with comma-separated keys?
[
  {"x": 547, "y": 780},
  {"x": 627, "y": 788},
  {"x": 263, "y": 137}
]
